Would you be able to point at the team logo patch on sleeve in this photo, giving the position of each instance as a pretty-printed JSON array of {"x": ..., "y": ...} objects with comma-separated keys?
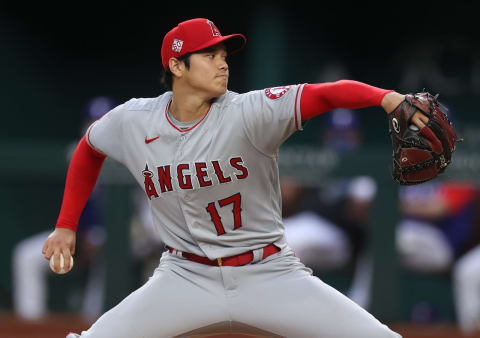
[{"x": 276, "y": 92}]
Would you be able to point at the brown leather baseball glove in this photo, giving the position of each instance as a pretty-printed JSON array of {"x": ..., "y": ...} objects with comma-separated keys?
[{"x": 419, "y": 155}]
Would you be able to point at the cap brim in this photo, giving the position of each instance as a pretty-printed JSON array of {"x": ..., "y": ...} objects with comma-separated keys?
[{"x": 233, "y": 42}]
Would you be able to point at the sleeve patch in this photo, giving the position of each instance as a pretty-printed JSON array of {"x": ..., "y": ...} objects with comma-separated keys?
[{"x": 276, "y": 92}]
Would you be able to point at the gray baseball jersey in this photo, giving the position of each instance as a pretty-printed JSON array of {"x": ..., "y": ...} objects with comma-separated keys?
[
  {"x": 214, "y": 191},
  {"x": 213, "y": 188}
]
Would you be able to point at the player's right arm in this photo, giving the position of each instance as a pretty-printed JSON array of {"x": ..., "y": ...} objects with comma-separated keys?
[
  {"x": 102, "y": 138},
  {"x": 82, "y": 175}
]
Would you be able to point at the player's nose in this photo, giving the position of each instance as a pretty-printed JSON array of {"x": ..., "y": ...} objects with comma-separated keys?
[{"x": 223, "y": 65}]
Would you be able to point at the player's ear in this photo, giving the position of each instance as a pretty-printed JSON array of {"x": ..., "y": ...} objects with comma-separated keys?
[{"x": 176, "y": 66}]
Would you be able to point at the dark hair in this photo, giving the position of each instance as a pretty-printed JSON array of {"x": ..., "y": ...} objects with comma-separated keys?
[{"x": 167, "y": 76}]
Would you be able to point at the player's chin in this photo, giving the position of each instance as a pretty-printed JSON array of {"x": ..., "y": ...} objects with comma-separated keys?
[
  {"x": 222, "y": 81},
  {"x": 220, "y": 89}
]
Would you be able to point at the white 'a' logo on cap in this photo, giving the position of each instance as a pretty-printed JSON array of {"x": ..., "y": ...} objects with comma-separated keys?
[{"x": 215, "y": 31}]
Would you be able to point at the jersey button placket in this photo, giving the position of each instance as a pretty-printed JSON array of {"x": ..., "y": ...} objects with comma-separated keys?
[
  {"x": 182, "y": 142},
  {"x": 186, "y": 197},
  {"x": 179, "y": 156}
]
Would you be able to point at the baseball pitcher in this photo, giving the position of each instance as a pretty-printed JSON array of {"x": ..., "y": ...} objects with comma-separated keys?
[{"x": 206, "y": 158}]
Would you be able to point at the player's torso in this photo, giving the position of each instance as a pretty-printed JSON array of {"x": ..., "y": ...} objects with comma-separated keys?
[{"x": 210, "y": 190}]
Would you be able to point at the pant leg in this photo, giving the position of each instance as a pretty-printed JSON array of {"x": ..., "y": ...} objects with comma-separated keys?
[
  {"x": 281, "y": 296},
  {"x": 30, "y": 273},
  {"x": 466, "y": 286},
  {"x": 181, "y": 296}
]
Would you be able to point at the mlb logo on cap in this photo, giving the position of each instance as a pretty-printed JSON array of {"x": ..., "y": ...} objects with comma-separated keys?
[
  {"x": 194, "y": 35},
  {"x": 177, "y": 45}
]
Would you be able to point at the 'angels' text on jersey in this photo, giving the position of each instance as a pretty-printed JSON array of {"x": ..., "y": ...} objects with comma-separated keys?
[{"x": 184, "y": 172}]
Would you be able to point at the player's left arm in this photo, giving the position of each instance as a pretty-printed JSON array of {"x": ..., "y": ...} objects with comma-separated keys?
[{"x": 322, "y": 97}]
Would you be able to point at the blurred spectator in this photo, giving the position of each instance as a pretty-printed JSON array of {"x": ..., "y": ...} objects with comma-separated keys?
[
  {"x": 342, "y": 132},
  {"x": 466, "y": 279},
  {"x": 316, "y": 240},
  {"x": 423, "y": 69},
  {"x": 436, "y": 234},
  {"x": 327, "y": 225},
  {"x": 146, "y": 245},
  {"x": 31, "y": 270}
]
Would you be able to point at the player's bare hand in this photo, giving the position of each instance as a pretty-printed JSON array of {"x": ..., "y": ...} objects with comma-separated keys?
[
  {"x": 419, "y": 119},
  {"x": 60, "y": 241},
  {"x": 393, "y": 99}
]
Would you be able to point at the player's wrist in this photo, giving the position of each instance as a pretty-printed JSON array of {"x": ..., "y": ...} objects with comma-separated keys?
[
  {"x": 63, "y": 225},
  {"x": 391, "y": 101}
]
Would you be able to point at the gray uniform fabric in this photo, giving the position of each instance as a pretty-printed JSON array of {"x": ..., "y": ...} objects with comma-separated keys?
[
  {"x": 278, "y": 295},
  {"x": 214, "y": 191}
]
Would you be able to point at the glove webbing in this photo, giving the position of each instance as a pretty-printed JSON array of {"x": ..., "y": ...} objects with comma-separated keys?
[
  {"x": 411, "y": 144},
  {"x": 416, "y": 167}
]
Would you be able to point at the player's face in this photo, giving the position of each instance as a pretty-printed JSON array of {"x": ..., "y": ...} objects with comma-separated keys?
[{"x": 209, "y": 71}]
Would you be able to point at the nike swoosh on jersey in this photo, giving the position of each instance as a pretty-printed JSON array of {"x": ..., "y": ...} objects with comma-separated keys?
[{"x": 148, "y": 140}]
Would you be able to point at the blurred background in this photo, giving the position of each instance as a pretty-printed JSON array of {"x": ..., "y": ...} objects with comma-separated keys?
[{"x": 410, "y": 256}]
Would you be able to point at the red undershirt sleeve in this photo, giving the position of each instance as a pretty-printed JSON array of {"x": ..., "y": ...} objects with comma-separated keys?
[
  {"x": 321, "y": 97},
  {"x": 82, "y": 175}
]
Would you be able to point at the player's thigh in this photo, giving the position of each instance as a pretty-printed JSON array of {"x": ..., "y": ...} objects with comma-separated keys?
[
  {"x": 169, "y": 304},
  {"x": 298, "y": 305}
]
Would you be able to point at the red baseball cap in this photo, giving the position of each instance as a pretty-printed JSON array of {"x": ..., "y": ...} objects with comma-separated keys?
[{"x": 194, "y": 35}]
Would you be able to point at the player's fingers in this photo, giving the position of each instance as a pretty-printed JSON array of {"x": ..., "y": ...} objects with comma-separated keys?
[
  {"x": 47, "y": 251},
  {"x": 44, "y": 248},
  {"x": 48, "y": 246},
  {"x": 66, "y": 259},
  {"x": 56, "y": 262},
  {"x": 419, "y": 119},
  {"x": 72, "y": 247},
  {"x": 423, "y": 117}
]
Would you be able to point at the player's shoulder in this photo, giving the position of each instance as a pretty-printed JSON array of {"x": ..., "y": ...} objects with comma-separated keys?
[
  {"x": 231, "y": 98},
  {"x": 269, "y": 94},
  {"x": 147, "y": 104},
  {"x": 226, "y": 98}
]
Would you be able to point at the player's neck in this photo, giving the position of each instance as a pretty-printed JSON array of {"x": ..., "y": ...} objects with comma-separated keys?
[{"x": 186, "y": 108}]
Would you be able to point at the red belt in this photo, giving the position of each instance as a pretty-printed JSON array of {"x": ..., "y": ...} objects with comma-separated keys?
[{"x": 237, "y": 260}]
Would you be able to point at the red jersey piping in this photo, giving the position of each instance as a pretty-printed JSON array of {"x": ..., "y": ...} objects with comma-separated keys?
[
  {"x": 180, "y": 130},
  {"x": 296, "y": 97}
]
